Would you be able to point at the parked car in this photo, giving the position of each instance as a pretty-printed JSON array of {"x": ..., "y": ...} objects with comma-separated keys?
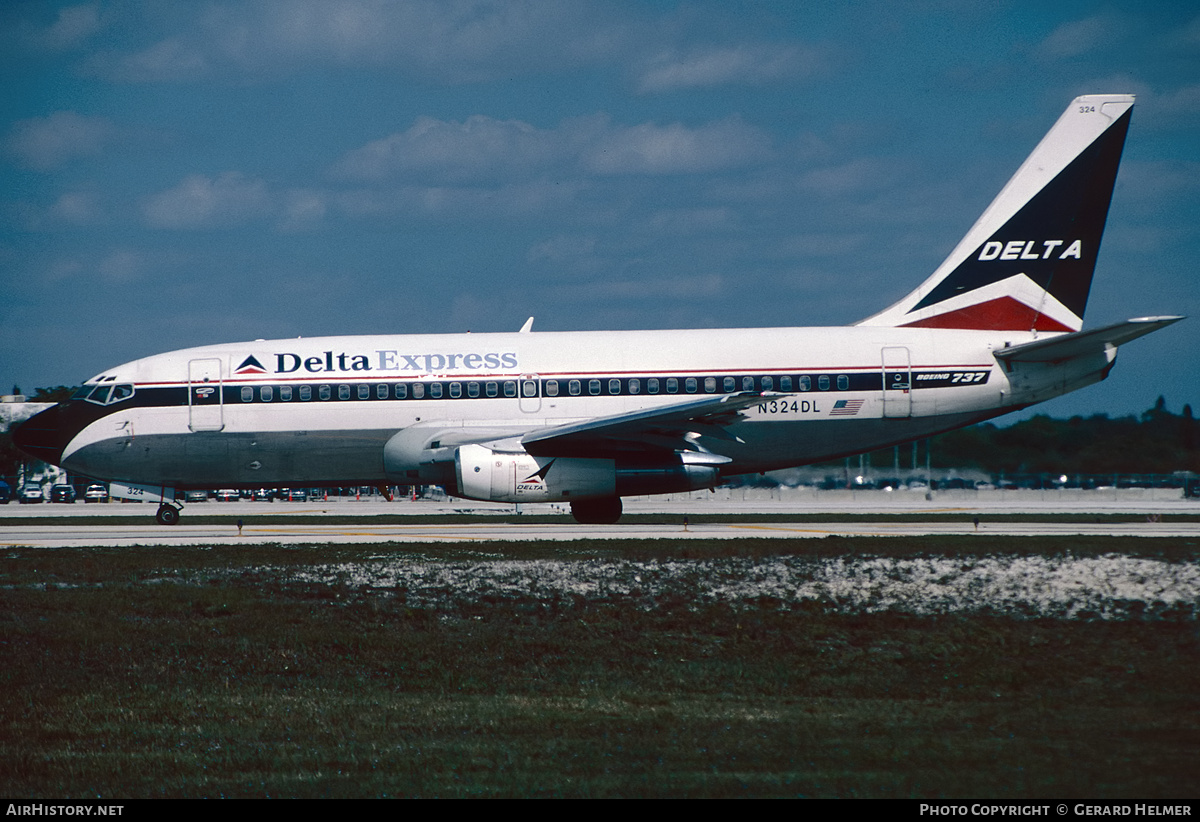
[
  {"x": 62, "y": 493},
  {"x": 296, "y": 494},
  {"x": 264, "y": 495},
  {"x": 5, "y": 492},
  {"x": 195, "y": 496},
  {"x": 31, "y": 493},
  {"x": 228, "y": 495},
  {"x": 95, "y": 493}
]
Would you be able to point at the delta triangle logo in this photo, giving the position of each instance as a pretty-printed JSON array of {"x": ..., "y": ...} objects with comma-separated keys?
[{"x": 250, "y": 365}]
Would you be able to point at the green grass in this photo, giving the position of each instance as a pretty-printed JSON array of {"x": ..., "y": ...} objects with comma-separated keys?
[{"x": 145, "y": 672}]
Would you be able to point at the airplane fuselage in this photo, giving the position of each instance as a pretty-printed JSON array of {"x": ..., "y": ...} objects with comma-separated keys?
[{"x": 321, "y": 410}]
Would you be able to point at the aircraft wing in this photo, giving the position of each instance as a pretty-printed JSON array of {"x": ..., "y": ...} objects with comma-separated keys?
[
  {"x": 1081, "y": 343},
  {"x": 669, "y": 427}
]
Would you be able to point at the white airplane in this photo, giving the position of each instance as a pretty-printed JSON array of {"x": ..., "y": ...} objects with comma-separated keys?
[{"x": 589, "y": 417}]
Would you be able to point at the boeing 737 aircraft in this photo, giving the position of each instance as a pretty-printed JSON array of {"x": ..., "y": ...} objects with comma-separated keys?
[{"x": 590, "y": 417}]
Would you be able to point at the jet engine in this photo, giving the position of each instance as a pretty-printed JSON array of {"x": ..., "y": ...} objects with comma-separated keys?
[{"x": 486, "y": 472}]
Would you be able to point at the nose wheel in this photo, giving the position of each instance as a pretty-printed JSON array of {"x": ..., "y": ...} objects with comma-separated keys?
[{"x": 168, "y": 514}]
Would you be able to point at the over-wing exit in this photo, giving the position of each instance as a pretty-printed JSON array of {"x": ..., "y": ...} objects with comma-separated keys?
[{"x": 590, "y": 417}]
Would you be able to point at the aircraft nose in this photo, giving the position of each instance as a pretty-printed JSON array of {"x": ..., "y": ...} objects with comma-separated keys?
[{"x": 44, "y": 436}]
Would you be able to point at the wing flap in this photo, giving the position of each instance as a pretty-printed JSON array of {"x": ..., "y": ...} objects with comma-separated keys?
[{"x": 665, "y": 428}]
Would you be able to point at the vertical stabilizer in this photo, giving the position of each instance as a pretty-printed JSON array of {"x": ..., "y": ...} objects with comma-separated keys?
[{"x": 1027, "y": 264}]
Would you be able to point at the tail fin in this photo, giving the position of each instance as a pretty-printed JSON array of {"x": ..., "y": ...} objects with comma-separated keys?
[{"x": 1027, "y": 263}]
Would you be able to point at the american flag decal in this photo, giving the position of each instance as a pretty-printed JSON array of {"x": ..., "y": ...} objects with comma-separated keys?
[{"x": 846, "y": 408}]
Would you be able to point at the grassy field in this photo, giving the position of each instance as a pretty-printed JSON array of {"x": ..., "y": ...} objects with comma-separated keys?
[{"x": 268, "y": 671}]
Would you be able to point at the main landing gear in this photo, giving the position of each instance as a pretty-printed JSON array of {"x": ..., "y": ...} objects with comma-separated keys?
[
  {"x": 596, "y": 511},
  {"x": 168, "y": 513}
]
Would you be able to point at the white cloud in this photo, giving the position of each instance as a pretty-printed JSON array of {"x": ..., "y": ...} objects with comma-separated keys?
[
  {"x": 478, "y": 147},
  {"x": 204, "y": 202},
  {"x": 454, "y": 40},
  {"x": 484, "y": 149},
  {"x": 71, "y": 28},
  {"x": 1079, "y": 37},
  {"x": 678, "y": 149},
  {"x": 48, "y": 143},
  {"x": 77, "y": 208},
  {"x": 122, "y": 265},
  {"x": 737, "y": 65}
]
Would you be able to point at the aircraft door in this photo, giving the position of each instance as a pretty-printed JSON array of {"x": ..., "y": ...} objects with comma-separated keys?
[
  {"x": 529, "y": 391},
  {"x": 897, "y": 382},
  {"x": 206, "y": 410}
]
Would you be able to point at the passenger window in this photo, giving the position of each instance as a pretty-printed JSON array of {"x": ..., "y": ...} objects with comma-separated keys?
[
  {"x": 747, "y": 383},
  {"x": 672, "y": 385},
  {"x": 418, "y": 390},
  {"x": 805, "y": 384},
  {"x": 843, "y": 382},
  {"x": 823, "y": 382},
  {"x": 381, "y": 391},
  {"x": 551, "y": 388},
  {"x": 472, "y": 389},
  {"x": 614, "y": 387},
  {"x": 285, "y": 393},
  {"x": 510, "y": 388},
  {"x": 710, "y": 385},
  {"x": 729, "y": 385},
  {"x": 266, "y": 393},
  {"x": 435, "y": 390},
  {"x": 574, "y": 387},
  {"x": 689, "y": 385},
  {"x": 401, "y": 391},
  {"x": 768, "y": 383},
  {"x": 635, "y": 386},
  {"x": 305, "y": 393},
  {"x": 491, "y": 389},
  {"x": 343, "y": 392},
  {"x": 248, "y": 393},
  {"x": 324, "y": 392},
  {"x": 594, "y": 387},
  {"x": 528, "y": 388},
  {"x": 455, "y": 390},
  {"x": 785, "y": 383},
  {"x": 652, "y": 385},
  {"x": 364, "y": 391}
]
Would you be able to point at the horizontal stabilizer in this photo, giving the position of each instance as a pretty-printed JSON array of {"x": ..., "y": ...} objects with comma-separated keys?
[{"x": 1081, "y": 343}]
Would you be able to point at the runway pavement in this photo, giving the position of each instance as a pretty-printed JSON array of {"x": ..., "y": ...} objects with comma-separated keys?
[
  {"x": 68, "y": 535},
  {"x": 949, "y": 513}
]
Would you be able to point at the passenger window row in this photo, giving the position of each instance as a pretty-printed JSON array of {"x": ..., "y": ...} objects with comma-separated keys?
[{"x": 615, "y": 386}]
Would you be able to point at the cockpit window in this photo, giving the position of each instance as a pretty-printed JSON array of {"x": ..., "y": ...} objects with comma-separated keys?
[{"x": 105, "y": 393}]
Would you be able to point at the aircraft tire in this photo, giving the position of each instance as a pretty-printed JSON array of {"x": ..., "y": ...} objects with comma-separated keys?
[
  {"x": 597, "y": 511},
  {"x": 167, "y": 515}
]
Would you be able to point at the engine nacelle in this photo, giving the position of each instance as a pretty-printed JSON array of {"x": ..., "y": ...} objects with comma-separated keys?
[
  {"x": 499, "y": 475},
  {"x": 515, "y": 476}
]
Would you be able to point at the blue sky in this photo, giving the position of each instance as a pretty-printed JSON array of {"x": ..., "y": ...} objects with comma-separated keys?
[{"x": 181, "y": 173}]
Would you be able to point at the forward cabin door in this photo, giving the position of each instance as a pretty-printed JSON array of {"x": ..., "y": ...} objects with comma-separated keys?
[
  {"x": 206, "y": 410},
  {"x": 897, "y": 382}
]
